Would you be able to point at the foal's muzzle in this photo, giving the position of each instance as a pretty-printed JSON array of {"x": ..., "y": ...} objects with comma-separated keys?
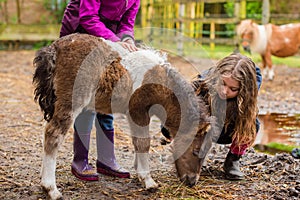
[
  {"x": 190, "y": 180},
  {"x": 247, "y": 49},
  {"x": 246, "y": 45}
]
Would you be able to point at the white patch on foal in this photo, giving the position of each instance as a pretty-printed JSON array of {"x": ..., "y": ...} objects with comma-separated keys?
[
  {"x": 48, "y": 176},
  {"x": 141, "y": 165},
  {"x": 260, "y": 45},
  {"x": 138, "y": 62},
  {"x": 287, "y": 40},
  {"x": 48, "y": 171},
  {"x": 268, "y": 73}
]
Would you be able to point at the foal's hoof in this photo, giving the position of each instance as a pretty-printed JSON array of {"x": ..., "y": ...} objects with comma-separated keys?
[
  {"x": 150, "y": 184},
  {"x": 53, "y": 194}
]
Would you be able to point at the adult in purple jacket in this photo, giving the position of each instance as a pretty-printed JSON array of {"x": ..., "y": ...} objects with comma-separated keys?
[{"x": 112, "y": 20}]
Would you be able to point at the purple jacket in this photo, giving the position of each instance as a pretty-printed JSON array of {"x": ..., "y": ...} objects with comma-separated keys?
[{"x": 110, "y": 19}]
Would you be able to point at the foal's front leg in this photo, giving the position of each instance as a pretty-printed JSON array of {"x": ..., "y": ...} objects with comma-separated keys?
[
  {"x": 141, "y": 162},
  {"x": 53, "y": 138},
  {"x": 268, "y": 70},
  {"x": 141, "y": 141}
]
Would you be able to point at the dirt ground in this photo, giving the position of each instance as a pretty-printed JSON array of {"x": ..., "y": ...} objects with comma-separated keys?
[{"x": 21, "y": 127}]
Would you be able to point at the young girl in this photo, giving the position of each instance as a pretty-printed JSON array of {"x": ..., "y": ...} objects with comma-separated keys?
[
  {"x": 236, "y": 80},
  {"x": 230, "y": 89},
  {"x": 111, "y": 20}
]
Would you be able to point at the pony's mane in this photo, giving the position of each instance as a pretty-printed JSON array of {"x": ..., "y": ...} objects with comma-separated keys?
[
  {"x": 261, "y": 34},
  {"x": 185, "y": 90}
]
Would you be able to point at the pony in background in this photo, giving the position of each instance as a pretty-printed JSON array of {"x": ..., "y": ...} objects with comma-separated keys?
[
  {"x": 268, "y": 40},
  {"x": 80, "y": 71}
]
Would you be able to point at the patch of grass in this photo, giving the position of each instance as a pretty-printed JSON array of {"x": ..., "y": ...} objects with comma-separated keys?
[
  {"x": 274, "y": 147},
  {"x": 281, "y": 147},
  {"x": 292, "y": 61},
  {"x": 40, "y": 44}
]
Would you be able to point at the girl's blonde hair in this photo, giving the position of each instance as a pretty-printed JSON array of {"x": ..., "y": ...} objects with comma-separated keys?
[{"x": 242, "y": 110}]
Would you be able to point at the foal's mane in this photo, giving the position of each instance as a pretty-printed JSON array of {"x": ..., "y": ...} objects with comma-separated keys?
[{"x": 260, "y": 34}]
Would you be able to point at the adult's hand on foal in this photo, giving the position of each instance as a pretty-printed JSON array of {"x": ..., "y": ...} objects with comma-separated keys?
[{"x": 129, "y": 45}]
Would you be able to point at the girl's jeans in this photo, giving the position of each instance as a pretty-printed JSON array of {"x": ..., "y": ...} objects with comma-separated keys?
[{"x": 226, "y": 138}]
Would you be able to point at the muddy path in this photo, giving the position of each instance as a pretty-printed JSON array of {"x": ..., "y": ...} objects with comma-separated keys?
[{"x": 267, "y": 177}]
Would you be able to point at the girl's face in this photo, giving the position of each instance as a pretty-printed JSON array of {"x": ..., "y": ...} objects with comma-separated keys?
[{"x": 229, "y": 87}]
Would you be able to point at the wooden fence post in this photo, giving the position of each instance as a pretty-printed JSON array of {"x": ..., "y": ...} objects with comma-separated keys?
[
  {"x": 145, "y": 7},
  {"x": 212, "y": 35},
  {"x": 201, "y": 15},
  {"x": 181, "y": 29},
  {"x": 243, "y": 11},
  {"x": 192, "y": 17},
  {"x": 237, "y": 15}
]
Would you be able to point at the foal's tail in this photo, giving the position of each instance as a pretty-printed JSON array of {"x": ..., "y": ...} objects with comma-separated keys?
[{"x": 44, "y": 62}]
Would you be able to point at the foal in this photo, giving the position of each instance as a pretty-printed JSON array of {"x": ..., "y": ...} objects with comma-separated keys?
[
  {"x": 81, "y": 71},
  {"x": 269, "y": 39}
]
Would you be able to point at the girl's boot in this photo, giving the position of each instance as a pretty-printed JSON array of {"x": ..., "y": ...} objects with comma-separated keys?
[
  {"x": 80, "y": 166},
  {"x": 106, "y": 162},
  {"x": 232, "y": 167}
]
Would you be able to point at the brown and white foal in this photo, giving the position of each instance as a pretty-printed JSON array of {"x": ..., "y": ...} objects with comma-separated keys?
[{"x": 80, "y": 71}]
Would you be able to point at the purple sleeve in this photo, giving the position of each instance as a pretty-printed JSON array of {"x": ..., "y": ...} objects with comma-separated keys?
[
  {"x": 127, "y": 21},
  {"x": 90, "y": 20},
  {"x": 258, "y": 77}
]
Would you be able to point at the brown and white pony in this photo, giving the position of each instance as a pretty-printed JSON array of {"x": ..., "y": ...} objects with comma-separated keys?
[
  {"x": 80, "y": 71},
  {"x": 269, "y": 39}
]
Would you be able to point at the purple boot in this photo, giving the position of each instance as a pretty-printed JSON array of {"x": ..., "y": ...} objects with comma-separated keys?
[
  {"x": 106, "y": 162},
  {"x": 80, "y": 166}
]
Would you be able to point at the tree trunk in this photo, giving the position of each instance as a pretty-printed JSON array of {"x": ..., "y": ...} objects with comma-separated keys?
[
  {"x": 265, "y": 12},
  {"x": 4, "y": 11},
  {"x": 18, "y": 11}
]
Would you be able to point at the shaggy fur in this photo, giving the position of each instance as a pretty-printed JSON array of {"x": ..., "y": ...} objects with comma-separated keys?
[
  {"x": 84, "y": 72},
  {"x": 43, "y": 78}
]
